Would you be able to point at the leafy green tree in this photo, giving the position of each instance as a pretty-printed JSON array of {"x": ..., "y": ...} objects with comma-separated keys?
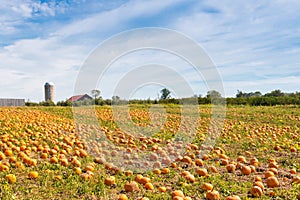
[
  {"x": 115, "y": 98},
  {"x": 165, "y": 93},
  {"x": 47, "y": 103},
  {"x": 213, "y": 94},
  {"x": 64, "y": 103},
  {"x": 241, "y": 94},
  {"x": 95, "y": 93},
  {"x": 31, "y": 104},
  {"x": 275, "y": 93}
]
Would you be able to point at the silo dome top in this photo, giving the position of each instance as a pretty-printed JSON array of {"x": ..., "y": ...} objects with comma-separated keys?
[{"x": 49, "y": 84}]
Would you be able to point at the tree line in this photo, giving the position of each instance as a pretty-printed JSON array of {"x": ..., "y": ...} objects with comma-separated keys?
[{"x": 275, "y": 97}]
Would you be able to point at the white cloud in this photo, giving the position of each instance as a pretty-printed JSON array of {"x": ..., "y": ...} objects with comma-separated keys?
[
  {"x": 16, "y": 13},
  {"x": 23, "y": 10},
  {"x": 251, "y": 41},
  {"x": 27, "y": 64},
  {"x": 286, "y": 84},
  {"x": 255, "y": 44},
  {"x": 115, "y": 19},
  {"x": 43, "y": 8}
]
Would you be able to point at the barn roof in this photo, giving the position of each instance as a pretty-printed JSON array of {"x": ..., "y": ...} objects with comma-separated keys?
[{"x": 79, "y": 97}]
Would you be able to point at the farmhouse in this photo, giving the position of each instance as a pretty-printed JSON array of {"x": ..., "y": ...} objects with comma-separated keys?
[
  {"x": 12, "y": 102},
  {"x": 79, "y": 98}
]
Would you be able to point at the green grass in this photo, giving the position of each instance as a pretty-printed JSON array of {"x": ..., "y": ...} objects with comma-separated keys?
[{"x": 245, "y": 129}]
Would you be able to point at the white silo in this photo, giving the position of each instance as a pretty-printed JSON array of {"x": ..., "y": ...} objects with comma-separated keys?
[{"x": 49, "y": 91}]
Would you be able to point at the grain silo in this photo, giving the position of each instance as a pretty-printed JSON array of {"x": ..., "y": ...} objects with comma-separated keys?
[{"x": 49, "y": 91}]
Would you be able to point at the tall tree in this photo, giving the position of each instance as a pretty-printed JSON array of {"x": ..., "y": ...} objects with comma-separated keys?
[
  {"x": 115, "y": 98},
  {"x": 95, "y": 93},
  {"x": 165, "y": 93},
  {"x": 247, "y": 95},
  {"x": 240, "y": 94},
  {"x": 257, "y": 94},
  {"x": 213, "y": 94},
  {"x": 275, "y": 93}
]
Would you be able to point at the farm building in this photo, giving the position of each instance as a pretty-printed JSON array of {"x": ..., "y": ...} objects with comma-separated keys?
[
  {"x": 12, "y": 102},
  {"x": 49, "y": 91},
  {"x": 79, "y": 98}
]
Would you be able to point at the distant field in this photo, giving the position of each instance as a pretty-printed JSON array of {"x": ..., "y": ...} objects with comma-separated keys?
[{"x": 44, "y": 157}]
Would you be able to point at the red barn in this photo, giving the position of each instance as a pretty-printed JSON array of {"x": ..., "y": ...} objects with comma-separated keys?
[{"x": 79, "y": 98}]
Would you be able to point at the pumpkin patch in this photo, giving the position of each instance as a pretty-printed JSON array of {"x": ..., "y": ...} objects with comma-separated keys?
[{"x": 45, "y": 154}]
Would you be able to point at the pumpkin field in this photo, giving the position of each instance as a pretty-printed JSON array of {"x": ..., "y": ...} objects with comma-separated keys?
[{"x": 44, "y": 154}]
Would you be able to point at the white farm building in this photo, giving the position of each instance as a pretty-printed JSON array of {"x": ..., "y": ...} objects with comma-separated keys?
[{"x": 12, "y": 102}]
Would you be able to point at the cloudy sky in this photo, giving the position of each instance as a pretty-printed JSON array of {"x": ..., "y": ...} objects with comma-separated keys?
[{"x": 255, "y": 45}]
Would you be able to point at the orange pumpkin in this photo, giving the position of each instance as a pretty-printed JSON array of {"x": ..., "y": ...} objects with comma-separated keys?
[
  {"x": 272, "y": 182},
  {"x": 122, "y": 197},
  {"x": 138, "y": 178},
  {"x": 296, "y": 180},
  {"x": 156, "y": 171},
  {"x": 33, "y": 175},
  {"x": 259, "y": 184},
  {"x": 149, "y": 186},
  {"x": 293, "y": 171},
  {"x": 131, "y": 186},
  {"x": 213, "y": 169},
  {"x": 274, "y": 170},
  {"x": 162, "y": 189},
  {"x": 11, "y": 178},
  {"x": 128, "y": 173},
  {"x": 110, "y": 180},
  {"x": 230, "y": 168},
  {"x": 269, "y": 174},
  {"x": 202, "y": 171},
  {"x": 224, "y": 162},
  {"x": 165, "y": 170},
  {"x": 199, "y": 162},
  {"x": 177, "y": 193},
  {"x": 256, "y": 191},
  {"x": 234, "y": 197},
  {"x": 241, "y": 159},
  {"x": 190, "y": 177},
  {"x": 213, "y": 195},
  {"x": 78, "y": 170},
  {"x": 254, "y": 162},
  {"x": 207, "y": 186},
  {"x": 144, "y": 180},
  {"x": 246, "y": 170}
]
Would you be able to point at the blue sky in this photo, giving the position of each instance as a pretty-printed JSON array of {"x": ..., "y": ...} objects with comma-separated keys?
[{"x": 254, "y": 44}]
